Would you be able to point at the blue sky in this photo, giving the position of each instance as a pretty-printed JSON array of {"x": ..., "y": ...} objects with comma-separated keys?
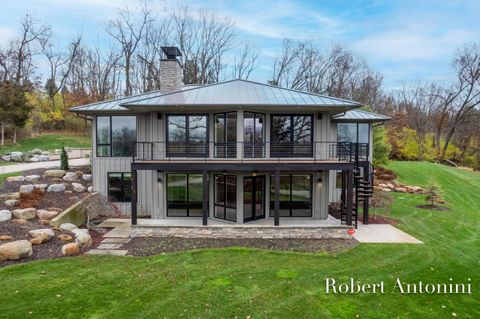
[{"x": 404, "y": 40}]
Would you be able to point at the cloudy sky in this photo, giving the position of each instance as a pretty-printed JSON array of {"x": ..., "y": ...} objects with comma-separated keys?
[{"x": 405, "y": 40}]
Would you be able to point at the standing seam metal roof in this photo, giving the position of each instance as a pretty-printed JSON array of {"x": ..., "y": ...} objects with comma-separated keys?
[{"x": 361, "y": 115}]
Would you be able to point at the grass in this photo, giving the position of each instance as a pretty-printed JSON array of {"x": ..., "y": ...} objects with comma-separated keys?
[
  {"x": 242, "y": 283},
  {"x": 48, "y": 142},
  {"x": 3, "y": 177}
]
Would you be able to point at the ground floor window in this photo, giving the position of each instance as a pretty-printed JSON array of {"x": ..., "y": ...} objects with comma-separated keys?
[
  {"x": 184, "y": 195},
  {"x": 226, "y": 197},
  {"x": 295, "y": 195},
  {"x": 119, "y": 187}
]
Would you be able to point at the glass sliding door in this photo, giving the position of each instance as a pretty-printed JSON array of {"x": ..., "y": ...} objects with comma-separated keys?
[
  {"x": 295, "y": 195},
  {"x": 291, "y": 136},
  {"x": 187, "y": 135},
  {"x": 226, "y": 135},
  {"x": 184, "y": 195},
  {"x": 253, "y": 198},
  {"x": 254, "y": 135},
  {"x": 226, "y": 197}
]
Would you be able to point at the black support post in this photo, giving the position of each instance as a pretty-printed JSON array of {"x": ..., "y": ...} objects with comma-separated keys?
[
  {"x": 366, "y": 178},
  {"x": 205, "y": 198},
  {"x": 134, "y": 197},
  {"x": 344, "y": 185},
  {"x": 349, "y": 196},
  {"x": 277, "y": 199}
]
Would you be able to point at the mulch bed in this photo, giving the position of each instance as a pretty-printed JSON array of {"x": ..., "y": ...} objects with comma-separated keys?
[
  {"x": 147, "y": 246},
  {"x": 433, "y": 207}
]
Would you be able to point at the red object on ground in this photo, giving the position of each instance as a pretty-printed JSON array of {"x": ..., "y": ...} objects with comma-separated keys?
[{"x": 351, "y": 231}]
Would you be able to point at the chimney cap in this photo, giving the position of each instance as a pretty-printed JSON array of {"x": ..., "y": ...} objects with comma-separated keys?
[{"x": 171, "y": 52}]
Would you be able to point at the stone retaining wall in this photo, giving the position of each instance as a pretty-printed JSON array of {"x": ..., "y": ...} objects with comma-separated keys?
[{"x": 241, "y": 232}]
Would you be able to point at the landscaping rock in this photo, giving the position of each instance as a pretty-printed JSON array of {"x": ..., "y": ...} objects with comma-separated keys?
[
  {"x": 84, "y": 240},
  {"x": 34, "y": 159},
  {"x": 79, "y": 231},
  {"x": 59, "y": 173},
  {"x": 70, "y": 176},
  {"x": 25, "y": 189},
  {"x": 20, "y": 221},
  {"x": 401, "y": 189},
  {"x": 16, "y": 178},
  {"x": 68, "y": 227},
  {"x": 6, "y": 196},
  {"x": 68, "y": 192},
  {"x": 90, "y": 189},
  {"x": 78, "y": 188},
  {"x": 64, "y": 237},
  {"x": 41, "y": 235},
  {"x": 45, "y": 153},
  {"x": 6, "y": 158},
  {"x": 15, "y": 250},
  {"x": 57, "y": 180},
  {"x": 5, "y": 215},
  {"x": 44, "y": 158},
  {"x": 87, "y": 177},
  {"x": 16, "y": 156},
  {"x": 46, "y": 215},
  {"x": 26, "y": 213},
  {"x": 79, "y": 174},
  {"x": 12, "y": 202},
  {"x": 41, "y": 187},
  {"x": 70, "y": 249},
  {"x": 5, "y": 237},
  {"x": 32, "y": 178},
  {"x": 57, "y": 151},
  {"x": 56, "y": 188},
  {"x": 36, "y": 151}
]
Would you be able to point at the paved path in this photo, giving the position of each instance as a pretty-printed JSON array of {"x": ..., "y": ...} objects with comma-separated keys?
[
  {"x": 113, "y": 240},
  {"x": 384, "y": 234},
  {"x": 35, "y": 165}
]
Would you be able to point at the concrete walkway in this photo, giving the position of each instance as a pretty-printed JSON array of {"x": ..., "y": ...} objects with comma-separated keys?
[
  {"x": 383, "y": 234},
  {"x": 49, "y": 164}
]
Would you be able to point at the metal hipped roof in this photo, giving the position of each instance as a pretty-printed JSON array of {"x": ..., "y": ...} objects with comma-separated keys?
[
  {"x": 359, "y": 116},
  {"x": 240, "y": 92}
]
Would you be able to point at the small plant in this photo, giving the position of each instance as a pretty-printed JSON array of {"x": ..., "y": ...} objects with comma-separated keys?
[
  {"x": 381, "y": 201},
  {"x": 64, "y": 160},
  {"x": 433, "y": 195}
]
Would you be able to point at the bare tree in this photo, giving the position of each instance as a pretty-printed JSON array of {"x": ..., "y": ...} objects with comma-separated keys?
[{"x": 245, "y": 62}]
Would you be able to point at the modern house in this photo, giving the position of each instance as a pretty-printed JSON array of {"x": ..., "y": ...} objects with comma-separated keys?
[{"x": 233, "y": 152}]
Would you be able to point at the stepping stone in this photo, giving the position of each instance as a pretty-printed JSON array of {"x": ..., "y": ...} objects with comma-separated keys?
[
  {"x": 114, "y": 222},
  {"x": 116, "y": 241},
  {"x": 107, "y": 252},
  {"x": 122, "y": 231},
  {"x": 109, "y": 246}
]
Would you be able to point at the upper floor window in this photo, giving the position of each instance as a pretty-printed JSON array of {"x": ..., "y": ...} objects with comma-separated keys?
[
  {"x": 226, "y": 135},
  {"x": 353, "y": 132},
  {"x": 254, "y": 135},
  {"x": 187, "y": 135},
  {"x": 116, "y": 135},
  {"x": 291, "y": 136}
]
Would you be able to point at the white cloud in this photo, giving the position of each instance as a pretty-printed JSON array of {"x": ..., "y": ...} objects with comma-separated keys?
[{"x": 6, "y": 34}]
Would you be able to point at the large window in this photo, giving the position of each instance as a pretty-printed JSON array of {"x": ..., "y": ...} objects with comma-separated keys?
[
  {"x": 116, "y": 135},
  {"x": 119, "y": 187},
  {"x": 291, "y": 136},
  {"x": 254, "y": 135},
  {"x": 295, "y": 195},
  {"x": 187, "y": 135},
  {"x": 353, "y": 132},
  {"x": 226, "y": 135},
  {"x": 184, "y": 195},
  {"x": 226, "y": 197}
]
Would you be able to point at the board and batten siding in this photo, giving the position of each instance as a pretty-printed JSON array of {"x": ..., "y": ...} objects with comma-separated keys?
[{"x": 150, "y": 192}]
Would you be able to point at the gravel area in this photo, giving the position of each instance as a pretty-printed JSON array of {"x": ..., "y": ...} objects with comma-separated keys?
[{"x": 153, "y": 246}]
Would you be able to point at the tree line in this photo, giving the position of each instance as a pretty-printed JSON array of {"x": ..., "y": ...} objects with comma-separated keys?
[{"x": 431, "y": 121}]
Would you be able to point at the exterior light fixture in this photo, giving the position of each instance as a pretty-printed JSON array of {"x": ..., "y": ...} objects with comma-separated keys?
[{"x": 159, "y": 176}]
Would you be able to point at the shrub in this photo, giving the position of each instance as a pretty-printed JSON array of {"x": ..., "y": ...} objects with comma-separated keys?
[
  {"x": 64, "y": 160},
  {"x": 432, "y": 193}
]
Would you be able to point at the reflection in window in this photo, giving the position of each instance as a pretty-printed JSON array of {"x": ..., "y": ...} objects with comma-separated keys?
[
  {"x": 184, "y": 195},
  {"x": 295, "y": 195},
  {"x": 254, "y": 135},
  {"x": 353, "y": 132},
  {"x": 187, "y": 135},
  {"x": 226, "y": 135},
  {"x": 226, "y": 197},
  {"x": 291, "y": 136},
  {"x": 116, "y": 135},
  {"x": 119, "y": 187}
]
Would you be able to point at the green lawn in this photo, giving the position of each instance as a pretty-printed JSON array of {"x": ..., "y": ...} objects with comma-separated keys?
[
  {"x": 252, "y": 283},
  {"x": 48, "y": 142}
]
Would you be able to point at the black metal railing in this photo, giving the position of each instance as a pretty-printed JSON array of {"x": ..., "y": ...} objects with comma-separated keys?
[{"x": 318, "y": 151}]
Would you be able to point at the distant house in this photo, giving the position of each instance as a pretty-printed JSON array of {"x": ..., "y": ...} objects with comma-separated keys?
[{"x": 235, "y": 151}]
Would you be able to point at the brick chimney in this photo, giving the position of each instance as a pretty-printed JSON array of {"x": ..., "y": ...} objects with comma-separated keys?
[{"x": 171, "y": 71}]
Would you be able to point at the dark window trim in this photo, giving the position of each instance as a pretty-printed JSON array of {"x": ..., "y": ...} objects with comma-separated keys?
[
  {"x": 310, "y": 153},
  {"x": 356, "y": 131},
  {"x": 224, "y": 206},
  {"x": 122, "y": 174},
  {"x": 188, "y": 193},
  {"x": 255, "y": 145},
  {"x": 110, "y": 145},
  {"x": 225, "y": 144},
  {"x": 272, "y": 213},
  {"x": 187, "y": 134}
]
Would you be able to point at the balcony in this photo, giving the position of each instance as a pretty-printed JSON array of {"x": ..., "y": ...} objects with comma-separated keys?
[{"x": 250, "y": 152}]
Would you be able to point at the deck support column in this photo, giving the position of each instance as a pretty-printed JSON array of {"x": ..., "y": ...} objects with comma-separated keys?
[
  {"x": 134, "y": 197},
  {"x": 205, "y": 198},
  {"x": 349, "y": 197},
  {"x": 366, "y": 178},
  {"x": 276, "y": 205}
]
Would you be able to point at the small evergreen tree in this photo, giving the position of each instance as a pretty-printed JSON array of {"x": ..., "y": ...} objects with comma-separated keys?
[
  {"x": 64, "y": 160},
  {"x": 432, "y": 194}
]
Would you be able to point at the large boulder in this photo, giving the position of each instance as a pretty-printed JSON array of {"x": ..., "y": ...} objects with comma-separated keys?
[
  {"x": 6, "y": 158},
  {"x": 46, "y": 214},
  {"x": 16, "y": 156},
  {"x": 70, "y": 176},
  {"x": 6, "y": 196},
  {"x": 39, "y": 236},
  {"x": 84, "y": 240},
  {"x": 16, "y": 178},
  {"x": 5, "y": 215},
  {"x": 25, "y": 213},
  {"x": 32, "y": 178},
  {"x": 87, "y": 177},
  {"x": 43, "y": 158},
  {"x": 70, "y": 249},
  {"x": 16, "y": 250},
  {"x": 78, "y": 188},
  {"x": 56, "y": 188},
  {"x": 59, "y": 173},
  {"x": 12, "y": 202},
  {"x": 26, "y": 189}
]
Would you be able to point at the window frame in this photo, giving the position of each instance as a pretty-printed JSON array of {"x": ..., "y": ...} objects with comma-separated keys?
[
  {"x": 254, "y": 146},
  {"x": 187, "y": 135},
  {"x": 272, "y": 198},
  {"x": 110, "y": 145},
  {"x": 122, "y": 174},
  {"x": 225, "y": 205},
  {"x": 225, "y": 144},
  {"x": 187, "y": 175},
  {"x": 291, "y": 142},
  {"x": 357, "y": 130}
]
